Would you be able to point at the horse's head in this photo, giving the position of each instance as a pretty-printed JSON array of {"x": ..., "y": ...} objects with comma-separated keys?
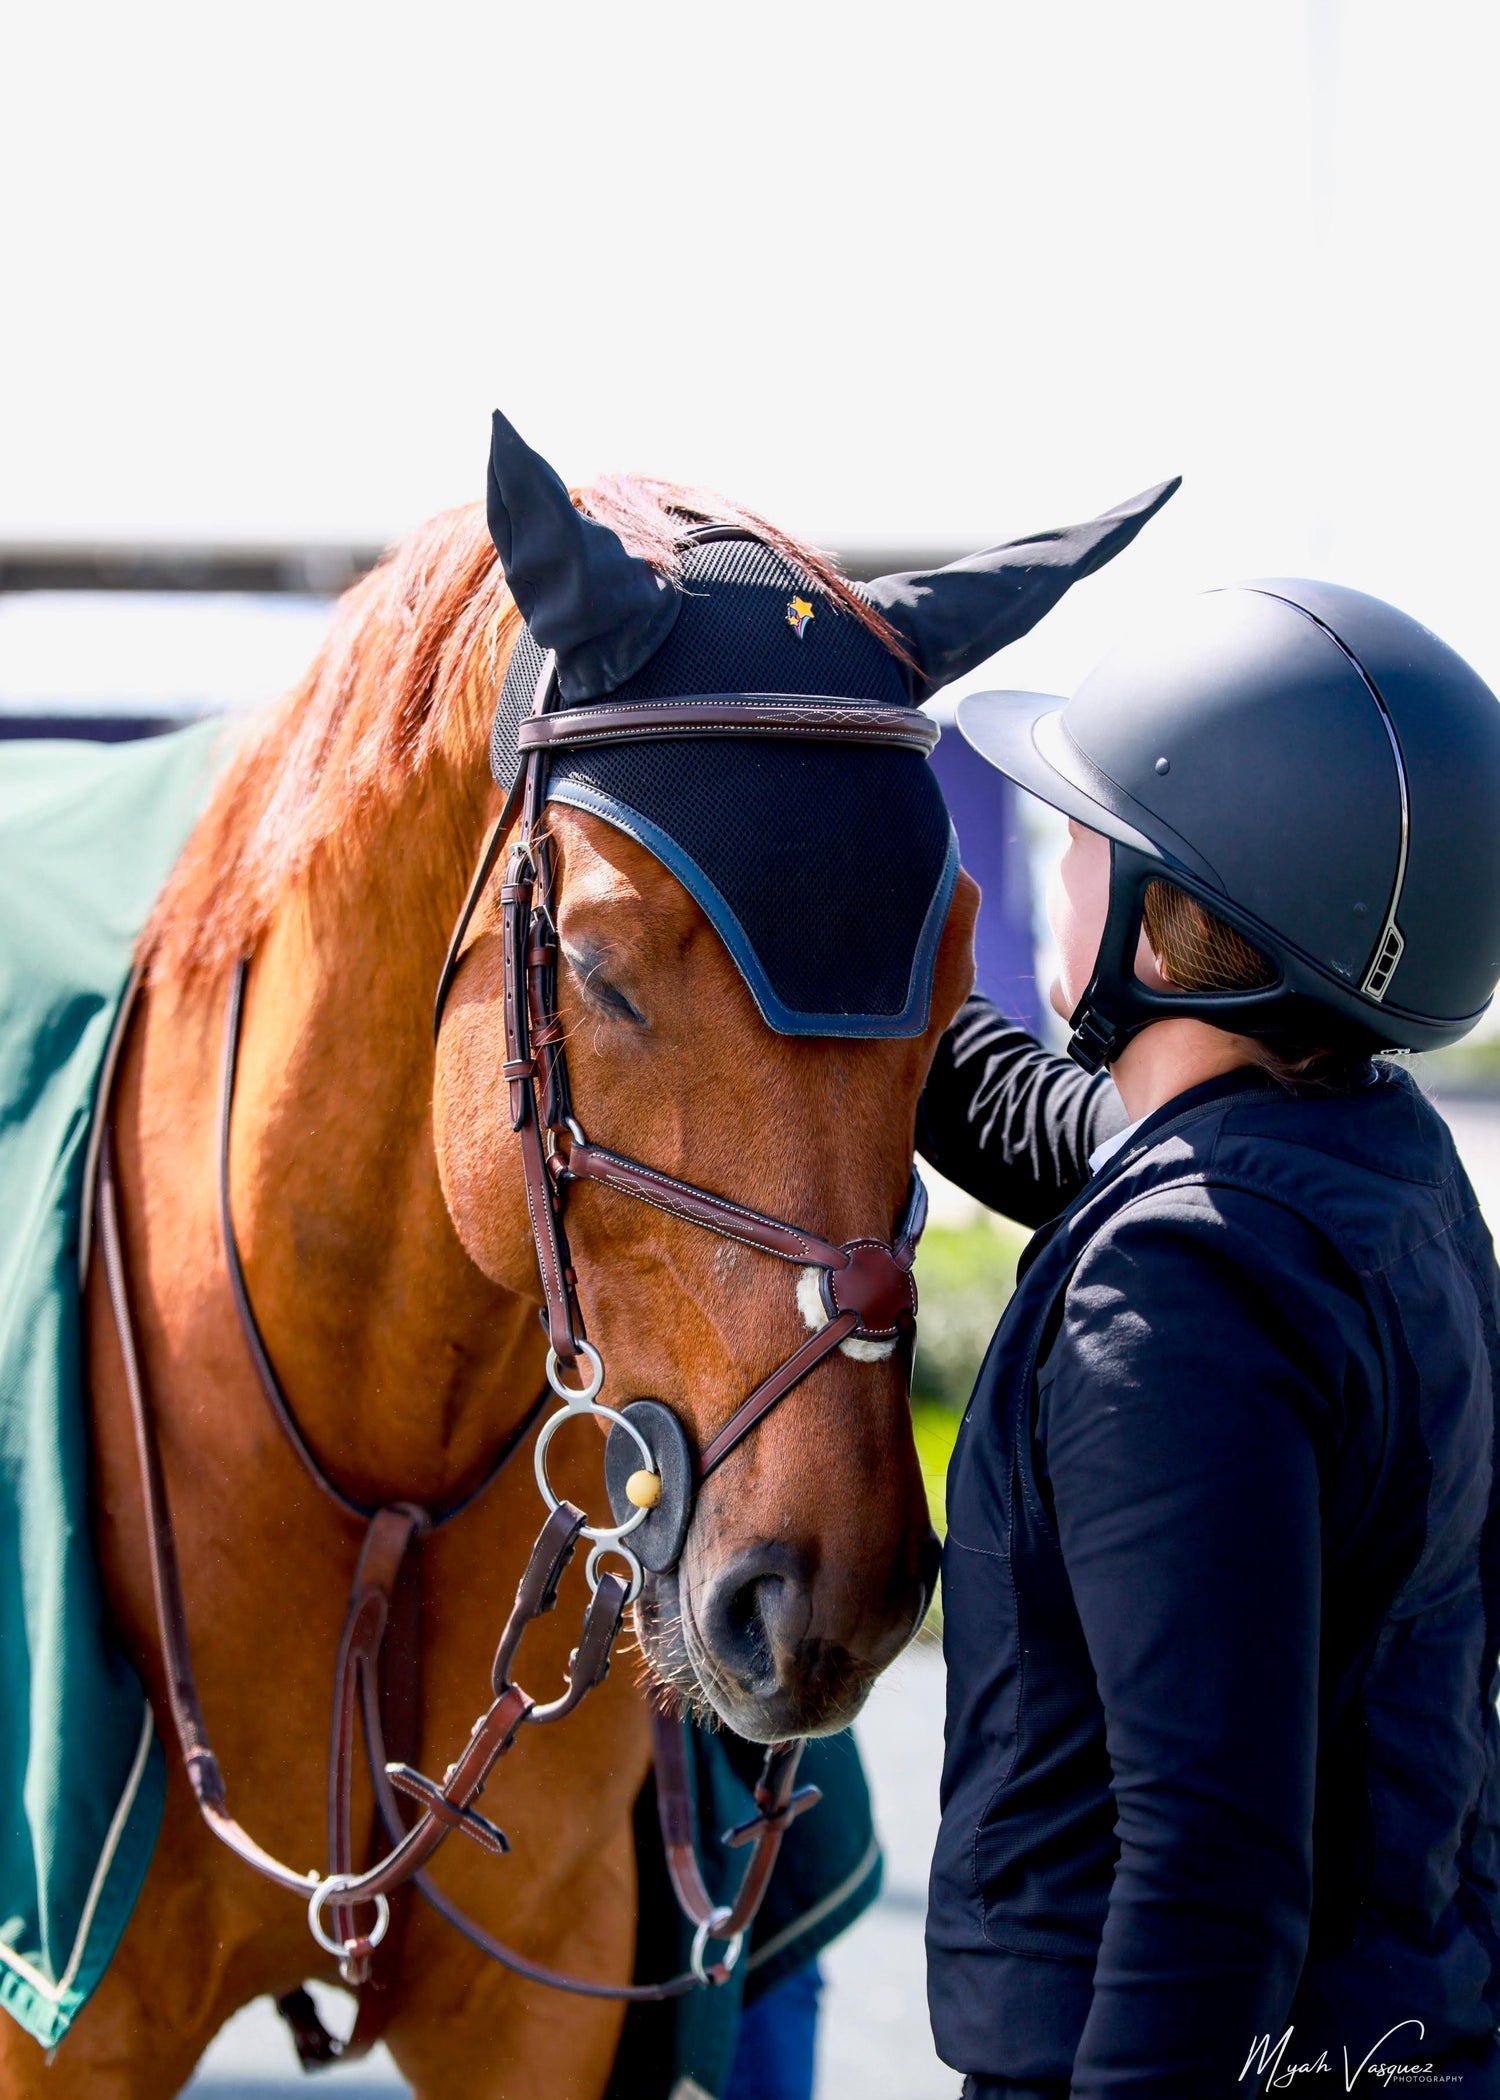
[
  {"x": 757, "y": 941},
  {"x": 810, "y": 1559}
]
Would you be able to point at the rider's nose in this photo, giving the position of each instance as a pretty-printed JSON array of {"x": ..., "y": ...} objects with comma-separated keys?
[{"x": 755, "y": 1617}]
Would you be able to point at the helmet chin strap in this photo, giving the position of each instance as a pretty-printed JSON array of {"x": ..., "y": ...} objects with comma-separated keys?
[{"x": 1117, "y": 1005}]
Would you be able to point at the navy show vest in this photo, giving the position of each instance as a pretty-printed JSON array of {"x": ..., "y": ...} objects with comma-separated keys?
[{"x": 1405, "y": 1909}]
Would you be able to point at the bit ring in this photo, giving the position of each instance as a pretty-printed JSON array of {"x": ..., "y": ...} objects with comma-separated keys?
[{"x": 601, "y": 1534}]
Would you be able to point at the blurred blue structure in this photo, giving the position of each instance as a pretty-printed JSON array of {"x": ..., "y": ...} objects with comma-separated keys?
[{"x": 987, "y": 818}]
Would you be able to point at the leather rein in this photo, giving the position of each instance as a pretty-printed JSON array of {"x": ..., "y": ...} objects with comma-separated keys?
[{"x": 867, "y": 1290}]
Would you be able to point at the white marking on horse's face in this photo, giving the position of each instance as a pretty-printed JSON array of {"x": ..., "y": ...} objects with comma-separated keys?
[{"x": 810, "y": 1305}]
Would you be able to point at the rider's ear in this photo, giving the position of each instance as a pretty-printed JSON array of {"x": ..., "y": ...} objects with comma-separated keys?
[
  {"x": 1149, "y": 967},
  {"x": 952, "y": 619},
  {"x": 602, "y": 610}
]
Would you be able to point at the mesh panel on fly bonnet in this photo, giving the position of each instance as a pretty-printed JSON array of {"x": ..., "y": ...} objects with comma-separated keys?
[{"x": 826, "y": 869}]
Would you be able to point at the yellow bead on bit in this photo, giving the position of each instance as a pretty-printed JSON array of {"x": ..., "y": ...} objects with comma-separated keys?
[{"x": 644, "y": 1490}]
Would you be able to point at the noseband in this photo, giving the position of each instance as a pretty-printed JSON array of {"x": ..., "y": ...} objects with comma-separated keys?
[{"x": 867, "y": 1287}]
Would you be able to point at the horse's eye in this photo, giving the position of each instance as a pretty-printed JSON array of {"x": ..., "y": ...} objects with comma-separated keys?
[{"x": 587, "y": 965}]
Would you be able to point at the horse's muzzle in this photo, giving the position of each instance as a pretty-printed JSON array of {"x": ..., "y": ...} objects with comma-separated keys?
[{"x": 768, "y": 1651}]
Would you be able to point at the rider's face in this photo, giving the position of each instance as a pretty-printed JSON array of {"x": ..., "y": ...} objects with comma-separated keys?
[{"x": 1077, "y": 900}]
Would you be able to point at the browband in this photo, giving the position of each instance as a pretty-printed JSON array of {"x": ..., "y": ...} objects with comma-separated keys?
[{"x": 717, "y": 714}]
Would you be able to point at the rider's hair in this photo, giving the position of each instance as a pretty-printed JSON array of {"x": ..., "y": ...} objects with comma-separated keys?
[{"x": 1198, "y": 952}]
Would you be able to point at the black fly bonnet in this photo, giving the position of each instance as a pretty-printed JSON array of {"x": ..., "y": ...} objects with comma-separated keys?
[{"x": 826, "y": 867}]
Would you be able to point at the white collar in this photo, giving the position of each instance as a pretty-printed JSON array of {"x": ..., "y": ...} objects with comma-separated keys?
[{"x": 1102, "y": 1154}]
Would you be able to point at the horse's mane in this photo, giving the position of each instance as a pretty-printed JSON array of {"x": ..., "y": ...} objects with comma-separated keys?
[{"x": 416, "y": 650}]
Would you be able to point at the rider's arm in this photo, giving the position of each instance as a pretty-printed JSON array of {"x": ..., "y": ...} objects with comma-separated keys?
[
  {"x": 1011, "y": 1122},
  {"x": 1206, "y": 1341}
]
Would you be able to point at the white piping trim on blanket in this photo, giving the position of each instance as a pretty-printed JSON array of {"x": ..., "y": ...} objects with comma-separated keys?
[
  {"x": 99, "y": 1115},
  {"x": 819, "y": 1910},
  {"x": 54, "y": 1993}
]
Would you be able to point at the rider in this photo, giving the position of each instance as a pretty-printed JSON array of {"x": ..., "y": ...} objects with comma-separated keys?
[{"x": 1221, "y": 1795}]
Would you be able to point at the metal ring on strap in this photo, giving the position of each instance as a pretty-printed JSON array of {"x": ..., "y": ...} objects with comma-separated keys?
[
  {"x": 637, "y": 1572},
  {"x": 326, "y": 1891},
  {"x": 709, "y": 1930},
  {"x": 579, "y": 1396}
]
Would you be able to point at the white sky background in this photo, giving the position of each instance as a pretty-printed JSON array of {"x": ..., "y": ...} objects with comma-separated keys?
[{"x": 907, "y": 276}]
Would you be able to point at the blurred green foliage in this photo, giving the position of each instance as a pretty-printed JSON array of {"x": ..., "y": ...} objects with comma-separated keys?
[
  {"x": 965, "y": 1275},
  {"x": 934, "y": 1427}
]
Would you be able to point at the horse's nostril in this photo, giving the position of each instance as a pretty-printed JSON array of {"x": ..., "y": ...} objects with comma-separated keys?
[
  {"x": 745, "y": 1642},
  {"x": 756, "y": 1611}
]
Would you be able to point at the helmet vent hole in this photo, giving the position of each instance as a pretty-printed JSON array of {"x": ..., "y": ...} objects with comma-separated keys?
[{"x": 1383, "y": 969}]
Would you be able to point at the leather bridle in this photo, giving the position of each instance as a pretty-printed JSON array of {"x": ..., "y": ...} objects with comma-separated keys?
[{"x": 867, "y": 1290}]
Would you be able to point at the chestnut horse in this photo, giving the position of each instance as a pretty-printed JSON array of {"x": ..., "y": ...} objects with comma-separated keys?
[{"x": 378, "y": 1196}]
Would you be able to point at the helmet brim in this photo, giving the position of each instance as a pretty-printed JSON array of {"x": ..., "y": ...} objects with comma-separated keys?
[{"x": 1022, "y": 735}]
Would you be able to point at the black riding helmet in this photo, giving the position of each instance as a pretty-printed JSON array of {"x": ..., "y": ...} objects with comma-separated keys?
[{"x": 1319, "y": 771}]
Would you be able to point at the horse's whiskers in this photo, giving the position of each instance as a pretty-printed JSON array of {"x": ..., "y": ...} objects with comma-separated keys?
[{"x": 666, "y": 1665}]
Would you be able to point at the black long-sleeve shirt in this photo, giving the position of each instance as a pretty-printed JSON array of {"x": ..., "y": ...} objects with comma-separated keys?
[{"x": 1010, "y": 1123}]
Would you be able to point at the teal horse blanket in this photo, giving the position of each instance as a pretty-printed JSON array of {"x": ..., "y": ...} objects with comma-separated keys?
[{"x": 88, "y": 834}]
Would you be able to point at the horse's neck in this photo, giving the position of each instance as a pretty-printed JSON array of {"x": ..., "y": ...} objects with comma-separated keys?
[{"x": 403, "y": 1364}]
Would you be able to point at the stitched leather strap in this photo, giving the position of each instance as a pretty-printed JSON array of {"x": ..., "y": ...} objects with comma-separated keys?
[
  {"x": 202, "y": 1766},
  {"x": 732, "y": 1221},
  {"x": 533, "y": 1052},
  {"x": 492, "y": 1734},
  {"x": 394, "y": 1676},
  {"x": 585, "y": 1161},
  {"x": 385, "y": 1545},
  {"x": 476, "y": 890},
  {"x": 868, "y": 1285},
  {"x": 265, "y": 1370},
  {"x": 774, "y": 1389},
  {"x": 777, "y": 1801},
  {"x": 774, "y": 715}
]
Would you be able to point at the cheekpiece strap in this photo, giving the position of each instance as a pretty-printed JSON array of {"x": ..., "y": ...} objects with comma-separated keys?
[{"x": 533, "y": 1064}]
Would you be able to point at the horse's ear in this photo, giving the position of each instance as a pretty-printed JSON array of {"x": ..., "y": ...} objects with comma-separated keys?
[
  {"x": 602, "y": 610},
  {"x": 952, "y": 619}
]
